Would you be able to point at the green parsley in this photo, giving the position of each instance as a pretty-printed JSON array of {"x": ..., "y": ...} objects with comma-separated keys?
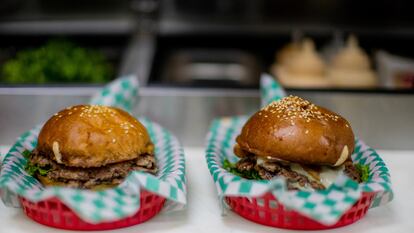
[
  {"x": 230, "y": 167},
  {"x": 33, "y": 169},
  {"x": 363, "y": 171},
  {"x": 26, "y": 154}
]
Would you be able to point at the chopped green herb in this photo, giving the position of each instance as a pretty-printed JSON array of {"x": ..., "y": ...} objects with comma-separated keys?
[
  {"x": 33, "y": 169},
  {"x": 363, "y": 171},
  {"x": 30, "y": 169},
  {"x": 26, "y": 154},
  {"x": 230, "y": 167}
]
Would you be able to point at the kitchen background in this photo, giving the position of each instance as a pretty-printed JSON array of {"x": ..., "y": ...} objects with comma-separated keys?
[{"x": 197, "y": 60}]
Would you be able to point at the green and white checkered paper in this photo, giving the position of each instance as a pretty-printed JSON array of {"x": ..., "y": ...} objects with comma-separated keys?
[
  {"x": 111, "y": 204},
  {"x": 325, "y": 206}
]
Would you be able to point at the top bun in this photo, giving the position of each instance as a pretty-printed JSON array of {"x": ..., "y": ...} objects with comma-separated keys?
[
  {"x": 295, "y": 130},
  {"x": 93, "y": 136}
]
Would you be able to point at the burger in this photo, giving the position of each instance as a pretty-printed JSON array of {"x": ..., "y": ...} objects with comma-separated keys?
[
  {"x": 90, "y": 147},
  {"x": 306, "y": 144}
]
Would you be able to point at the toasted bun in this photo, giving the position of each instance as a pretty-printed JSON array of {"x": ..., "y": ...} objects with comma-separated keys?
[
  {"x": 93, "y": 136},
  {"x": 295, "y": 130},
  {"x": 48, "y": 182}
]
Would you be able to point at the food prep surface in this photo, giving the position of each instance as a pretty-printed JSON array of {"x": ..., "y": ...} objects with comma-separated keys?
[{"x": 203, "y": 213}]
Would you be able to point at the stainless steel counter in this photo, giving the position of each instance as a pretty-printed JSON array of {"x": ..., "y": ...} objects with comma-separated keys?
[{"x": 384, "y": 121}]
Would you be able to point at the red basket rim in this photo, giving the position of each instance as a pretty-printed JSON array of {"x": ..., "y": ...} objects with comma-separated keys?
[
  {"x": 46, "y": 212},
  {"x": 298, "y": 221}
]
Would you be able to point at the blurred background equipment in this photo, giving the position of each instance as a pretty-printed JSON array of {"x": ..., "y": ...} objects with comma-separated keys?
[
  {"x": 145, "y": 35},
  {"x": 196, "y": 60},
  {"x": 395, "y": 71},
  {"x": 208, "y": 67}
]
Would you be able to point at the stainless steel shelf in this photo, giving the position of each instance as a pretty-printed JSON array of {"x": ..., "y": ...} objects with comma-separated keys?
[
  {"x": 182, "y": 26},
  {"x": 112, "y": 26}
]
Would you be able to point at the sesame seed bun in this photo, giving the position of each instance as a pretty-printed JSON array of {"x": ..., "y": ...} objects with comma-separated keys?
[
  {"x": 93, "y": 136},
  {"x": 296, "y": 130}
]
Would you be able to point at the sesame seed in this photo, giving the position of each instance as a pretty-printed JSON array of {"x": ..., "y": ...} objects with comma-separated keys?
[
  {"x": 292, "y": 107},
  {"x": 113, "y": 140}
]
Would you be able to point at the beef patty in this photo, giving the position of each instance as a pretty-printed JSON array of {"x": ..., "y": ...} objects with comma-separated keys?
[
  {"x": 267, "y": 170},
  {"x": 75, "y": 177}
]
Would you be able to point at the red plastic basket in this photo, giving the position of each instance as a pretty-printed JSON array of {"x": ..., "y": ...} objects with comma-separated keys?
[
  {"x": 54, "y": 213},
  {"x": 268, "y": 211}
]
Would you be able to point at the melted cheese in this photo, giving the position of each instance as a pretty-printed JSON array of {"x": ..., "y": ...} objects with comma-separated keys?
[
  {"x": 327, "y": 174},
  {"x": 299, "y": 169}
]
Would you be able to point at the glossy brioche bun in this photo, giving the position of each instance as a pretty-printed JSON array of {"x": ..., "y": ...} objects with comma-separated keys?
[
  {"x": 93, "y": 136},
  {"x": 296, "y": 130}
]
